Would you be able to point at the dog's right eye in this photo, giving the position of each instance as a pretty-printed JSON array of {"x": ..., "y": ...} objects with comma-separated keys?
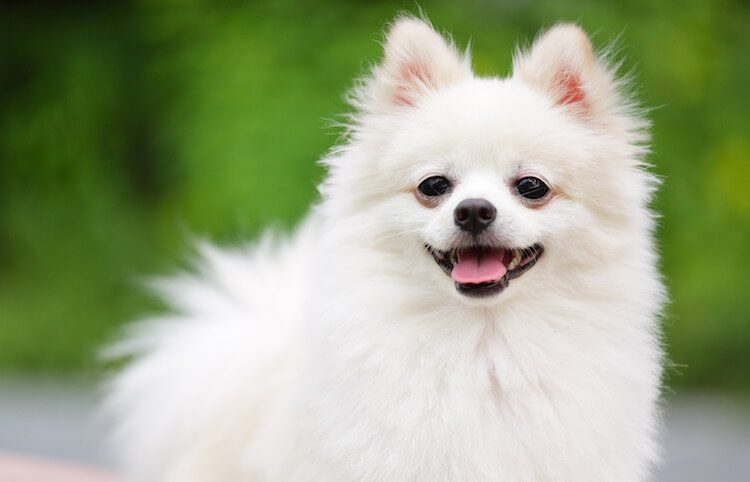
[{"x": 434, "y": 186}]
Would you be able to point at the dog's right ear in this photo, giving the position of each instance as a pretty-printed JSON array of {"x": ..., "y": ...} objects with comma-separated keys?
[{"x": 417, "y": 62}]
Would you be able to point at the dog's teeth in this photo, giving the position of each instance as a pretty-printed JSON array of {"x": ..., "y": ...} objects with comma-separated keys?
[{"x": 517, "y": 257}]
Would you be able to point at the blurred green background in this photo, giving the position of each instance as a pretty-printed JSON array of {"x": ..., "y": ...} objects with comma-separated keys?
[{"x": 126, "y": 129}]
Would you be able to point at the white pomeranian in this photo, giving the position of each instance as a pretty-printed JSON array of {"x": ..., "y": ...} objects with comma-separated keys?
[{"x": 475, "y": 298}]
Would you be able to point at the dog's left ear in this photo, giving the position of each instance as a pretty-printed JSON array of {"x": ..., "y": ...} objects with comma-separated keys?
[
  {"x": 561, "y": 64},
  {"x": 417, "y": 61}
]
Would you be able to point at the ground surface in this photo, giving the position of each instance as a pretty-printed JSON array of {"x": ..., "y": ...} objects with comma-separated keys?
[{"x": 707, "y": 437}]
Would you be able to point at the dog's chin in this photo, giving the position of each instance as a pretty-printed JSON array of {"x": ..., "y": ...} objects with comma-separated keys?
[{"x": 482, "y": 272}]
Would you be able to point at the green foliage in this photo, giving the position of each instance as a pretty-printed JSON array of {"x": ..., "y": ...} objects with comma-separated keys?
[{"x": 125, "y": 128}]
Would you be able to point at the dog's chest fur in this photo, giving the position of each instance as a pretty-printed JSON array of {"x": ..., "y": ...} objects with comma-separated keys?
[{"x": 477, "y": 395}]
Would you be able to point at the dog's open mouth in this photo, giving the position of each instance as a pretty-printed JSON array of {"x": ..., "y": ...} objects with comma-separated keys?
[{"x": 480, "y": 271}]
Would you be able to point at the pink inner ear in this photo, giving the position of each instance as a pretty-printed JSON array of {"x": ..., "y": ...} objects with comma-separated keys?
[
  {"x": 570, "y": 87},
  {"x": 412, "y": 77}
]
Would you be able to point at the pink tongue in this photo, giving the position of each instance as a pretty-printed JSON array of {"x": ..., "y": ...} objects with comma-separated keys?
[{"x": 479, "y": 268}]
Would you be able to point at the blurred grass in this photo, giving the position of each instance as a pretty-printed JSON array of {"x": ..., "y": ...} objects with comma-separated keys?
[{"x": 123, "y": 128}]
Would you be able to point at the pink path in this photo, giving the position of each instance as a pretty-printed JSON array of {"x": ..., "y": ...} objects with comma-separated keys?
[{"x": 18, "y": 468}]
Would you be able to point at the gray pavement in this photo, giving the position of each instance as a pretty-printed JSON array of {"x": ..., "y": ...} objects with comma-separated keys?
[
  {"x": 707, "y": 437},
  {"x": 52, "y": 418}
]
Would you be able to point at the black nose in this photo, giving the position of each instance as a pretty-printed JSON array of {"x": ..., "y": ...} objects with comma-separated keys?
[{"x": 474, "y": 215}]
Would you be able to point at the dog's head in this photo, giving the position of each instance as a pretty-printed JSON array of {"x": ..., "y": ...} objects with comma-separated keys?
[{"x": 484, "y": 184}]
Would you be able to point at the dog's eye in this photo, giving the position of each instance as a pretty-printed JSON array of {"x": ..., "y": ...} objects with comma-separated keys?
[
  {"x": 434, "y": 186},
  {"x": 532, "y": 188}
]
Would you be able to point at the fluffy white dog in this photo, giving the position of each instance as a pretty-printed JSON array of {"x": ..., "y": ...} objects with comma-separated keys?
[{"x": 475, "y": 297}]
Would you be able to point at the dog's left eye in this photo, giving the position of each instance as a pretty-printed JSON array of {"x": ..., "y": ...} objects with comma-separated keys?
[
  {"x": 434, "y": 186},
  {"x": 532, "y": 188}
]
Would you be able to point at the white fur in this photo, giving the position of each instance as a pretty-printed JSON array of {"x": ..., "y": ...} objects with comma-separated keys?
[{"x": 346, "y": 354}]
